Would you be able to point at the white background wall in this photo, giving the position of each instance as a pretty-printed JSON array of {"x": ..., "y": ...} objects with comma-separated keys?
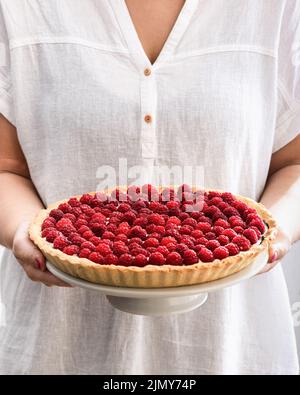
[{"x": 292, "y": 270}]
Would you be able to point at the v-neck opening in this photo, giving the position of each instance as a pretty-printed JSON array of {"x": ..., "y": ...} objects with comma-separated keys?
[{"x": 132, "y": 38}]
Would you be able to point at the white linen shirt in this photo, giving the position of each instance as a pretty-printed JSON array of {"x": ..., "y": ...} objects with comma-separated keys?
[{"x": 223, "y": 94}]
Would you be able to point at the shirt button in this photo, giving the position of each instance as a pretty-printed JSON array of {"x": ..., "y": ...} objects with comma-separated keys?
[
  {"x": 147, "y": 72},
  {"x": 148, "y": 119}
]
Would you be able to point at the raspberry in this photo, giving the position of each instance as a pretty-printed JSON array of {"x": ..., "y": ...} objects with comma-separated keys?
[
  {"x": 251, "y": 235},
  {"x": 243, "y": 243},
  {"x": 140, "y": 260},
  {"x": 202, "y": 241},
  {"x": 204, "y": 227},
  {"x": 223, "y": 240},
  {"x": 223, "y": 223},
  {"x": 174, "y": 258},
  {"x": 83, "y": 229},
  {"x": 240, "y": 206},
  {"x": 160, "y": 229},
  {"x": 88, "y": 235},
  {"x": 121, "y": 237},
  {"x": 151, "y": 242},
  {"x": 65, "y": 225},
  {"x": 236, "y": 221},
  {"x": 183, "y": 216},
  {"x": 73, "y": 202},
  {"x": 139, "y": 250},
  {"x": 239, "y": 230},
  {"x": 174, "y": 220},
  {"x": 185, "y": 230},
  {"x": 48, "y": 223},
  {"x": 103, "y": 249},
  {"x": 167, "y": 240},
  {"x": 136, "y": 240},
  {"x": 80, "y": 222},
  {"x": 52, "y": 234},
  {"x": 190, "y": 221},
  {"x": 65, "y": 207},
  {"x": 111, "y": 259},
  {"x": 98, "y": 218},
  {"x": 86, "y": 199},
  {"x": 129, "y": 217},
  {"x": 230, "y": 233},
  {"x": 257, "y": 231},
  {"x": 230, "y": 211},
  {"x": 108, "y": 235},
  {"x": 215, "y": 201},
  {"x": 181, "y": 248},
  {"x": 210, "y": 211},
  {"x": 141, "y": 221},
  {"x": 87, "y": 210},
  {"x": 60, "y": 243},
  {"x": 71, "y": 250},
  {"x": 221, "y": 253},
  {"x": 89, "y": 245},
  {"x": 85, "y": 253},
  {"x": 56, "y": 214},
  {"x": 204, "y": 219},
  {"x": 71, "y": 217},
  {"x": 111, "y": 228},
  {"x": 76, "y": 239},
  {"x": 213, "y": 194},
  {"x": 219, "y": 215},
  {"x": 212, "y": 245},
  {"x": 119, "y": 248},
  {"x": 251, "y": 217},
  {"x": 190, "y": 257},
  {"x": 171, "y": 247},
  {"x": 188, "y": 241},
  {"x": 125, "y": 260},
  {"x": 156, "y": 219},
  {"x": 210, "y": 235},
  {"x": 124, "y": 207},
  {"x": 163, "y": 250},
  {"x": 96, "y": 258},
  {"x": 46, "y": 231},
  {"x": 172, "y": 232},
  {"x": 259, "y": 224},
  {"x": 197, "y": 234},
  {"x": 205, "y": 255},
  {"x": 228, "y": 197},
  {"x": 139, "y": 204},
  {"x": 156, "y": 258},
  {"x": 233, "y": 249},
  {"x": 98, "y": 229},
  {"x": 138, "y": 231},
  {"x": 218, "y": 230}
]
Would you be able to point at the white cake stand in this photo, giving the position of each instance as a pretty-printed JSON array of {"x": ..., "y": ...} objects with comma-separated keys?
[{"x": 163, "y": 301}]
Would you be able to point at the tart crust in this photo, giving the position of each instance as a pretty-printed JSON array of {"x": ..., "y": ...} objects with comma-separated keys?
[{"x": 152, "y": 276}]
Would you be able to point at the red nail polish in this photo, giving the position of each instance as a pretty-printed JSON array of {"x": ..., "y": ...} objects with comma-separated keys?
[
  {"x": 38, "y": 264},
  {"x": 274, "y": 257}
]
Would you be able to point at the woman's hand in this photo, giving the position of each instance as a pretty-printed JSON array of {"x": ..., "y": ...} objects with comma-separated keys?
[
  {"x": 31, "y": 259},
  {"x": 277, "y": 251}
]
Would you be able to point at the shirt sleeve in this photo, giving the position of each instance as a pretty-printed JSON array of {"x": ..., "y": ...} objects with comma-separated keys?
[
  {"x": 6, "y": 98},
  {"x": 288, "y": 104}
]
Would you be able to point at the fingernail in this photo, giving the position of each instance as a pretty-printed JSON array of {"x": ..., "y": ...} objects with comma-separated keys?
[
  {"x": 38, "y": 264},
  {"x": 274, "y": 257}
]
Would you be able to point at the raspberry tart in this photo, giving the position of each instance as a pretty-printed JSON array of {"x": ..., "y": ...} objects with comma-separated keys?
[{"x": 153, "y": 237}]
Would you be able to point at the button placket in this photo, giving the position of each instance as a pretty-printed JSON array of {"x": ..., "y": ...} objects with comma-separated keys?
[{"x": 148, "y": 114}]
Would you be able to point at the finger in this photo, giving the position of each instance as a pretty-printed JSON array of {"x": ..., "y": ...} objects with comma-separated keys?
[
  {"x": 277, "y": 251},
  {"x": 25, "y": 250},
  {"x": 44, "y": 277}
]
